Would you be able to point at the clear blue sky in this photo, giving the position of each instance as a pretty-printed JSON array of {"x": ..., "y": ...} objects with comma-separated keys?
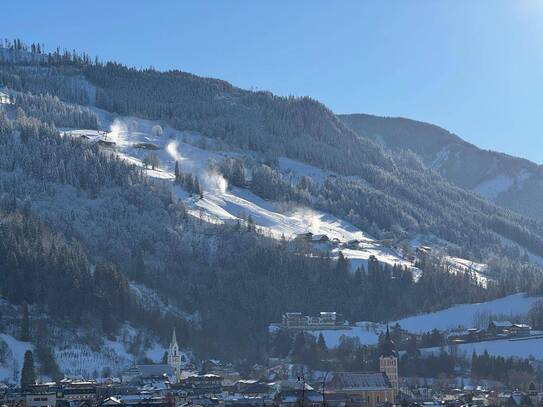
[{"x": 473, "y": 67}]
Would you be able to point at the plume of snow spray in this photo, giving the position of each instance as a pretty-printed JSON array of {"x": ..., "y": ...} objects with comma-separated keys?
[
  {"x": 117, "y": 130},
  {"x": 212, "y": 180},
  {"x": 310, "y": 218}
]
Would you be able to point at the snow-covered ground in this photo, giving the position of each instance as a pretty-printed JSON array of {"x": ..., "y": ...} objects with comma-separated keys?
[
  {"x": 134, "y": 138},
  {"x": 463, "y": 315},
  {"x": 366, "y": 332},
  {"x": 478, "y": 270},
  {"x": 529, "y": 347},
  {"x": 80, "y": 354},
  {"x": 460, "y": 316},
  {"x": 492, "y": 188}
]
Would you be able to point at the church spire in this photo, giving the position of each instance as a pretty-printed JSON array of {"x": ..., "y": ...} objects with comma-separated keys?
[
  {"x": 174, "y": 339},
  {"x": 388, "y": 348}
]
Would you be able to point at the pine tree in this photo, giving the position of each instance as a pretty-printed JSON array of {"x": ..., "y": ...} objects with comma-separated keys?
[
  {"x": 164, "y": 360},
  {"x": 25, "y": 325},
  {"x": 321, "y": 346},
  {"x": 28, "y": 374}
]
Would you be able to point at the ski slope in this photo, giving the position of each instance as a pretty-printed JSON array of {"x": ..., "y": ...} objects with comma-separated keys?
[{"x": 222, "y": 203}]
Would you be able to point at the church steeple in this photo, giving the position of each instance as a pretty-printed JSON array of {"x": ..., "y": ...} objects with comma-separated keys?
[
  {"x": 174, "y": 357},
  {"x": 174, "y": 339},
  {"x": 388, "y": 348},
  {"x": 388, "y": 360}
]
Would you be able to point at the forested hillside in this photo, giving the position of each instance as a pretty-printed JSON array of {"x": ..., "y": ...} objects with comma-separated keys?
[
  {"x": 511, "y": 182},
  {"x": 82, "y": 221}
]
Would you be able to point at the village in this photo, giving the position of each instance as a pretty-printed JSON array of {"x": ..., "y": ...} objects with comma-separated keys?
[{"x": 179, "y": 382}]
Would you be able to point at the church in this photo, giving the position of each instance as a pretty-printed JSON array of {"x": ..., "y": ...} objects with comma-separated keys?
[
  {"x": 176, "y": 359},
  {"x": 374, "y": 388}
]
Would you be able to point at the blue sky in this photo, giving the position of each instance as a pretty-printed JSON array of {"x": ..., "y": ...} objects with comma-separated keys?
[{"x": 473, "y": 67}]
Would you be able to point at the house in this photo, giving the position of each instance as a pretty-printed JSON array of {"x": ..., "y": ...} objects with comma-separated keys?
[
  {"x": 514, "y": 399},
  {"x": 202, "y": 385},
  {"x": 41, "y": 399},
  {"x": 362, "y": 389},
  {"x": 4, "y": 98},
  {"x": 141, "y": 373},
  {"x": 136, "y": 400},
  {"x": 305, "y": 236},
  {"x": 297, "y": 397},
  {"x": 320, "y": 239},
  {"x": 499, "y": 327},
  {"x": 71, "y": 391},
  {"x": 520, "y": 330}
]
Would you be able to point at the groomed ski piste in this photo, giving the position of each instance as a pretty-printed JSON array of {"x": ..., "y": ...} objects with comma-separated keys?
[{"x": 133, "y": 138}]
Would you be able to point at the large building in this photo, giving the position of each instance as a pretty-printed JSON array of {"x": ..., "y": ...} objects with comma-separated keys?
[
  {"x": 362, "y": 389},
  {"x": 296, "y": 320},
  {"x": 388, "y": 361}
]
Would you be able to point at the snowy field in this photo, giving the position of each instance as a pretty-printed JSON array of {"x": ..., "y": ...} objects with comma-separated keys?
[
  {"x": 458, "y": 316},
  {"x": 462, "y": 316},
  {"x": 508, "y": 348},
  {"x": 366, "y": 332},
  {"x": 77, "y": 359}
]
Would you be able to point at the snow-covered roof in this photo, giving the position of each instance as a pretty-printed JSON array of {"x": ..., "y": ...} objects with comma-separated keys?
[{"x": 502, "y": 324}]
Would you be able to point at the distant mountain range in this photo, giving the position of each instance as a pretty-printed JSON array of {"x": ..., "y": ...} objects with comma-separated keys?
[{"x": 511, "y": 182}]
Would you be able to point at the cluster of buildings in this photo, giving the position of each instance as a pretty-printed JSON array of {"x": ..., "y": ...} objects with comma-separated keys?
[
  {"x": 217, "y": 384},
  {"x": 495, "y": 330},
  {"x": 178, "y": 383},
  {"x": 299, "y": 321}
]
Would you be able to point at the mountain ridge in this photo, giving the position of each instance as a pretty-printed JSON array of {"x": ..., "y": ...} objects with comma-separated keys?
[{"x": 513, "y": 182}]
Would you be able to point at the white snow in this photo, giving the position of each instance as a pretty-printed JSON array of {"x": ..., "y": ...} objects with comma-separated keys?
[
  {"x": 462, "y": 316},
  {"x": 10, "y": 370},
  {"x": 367, "y": 333},
  {"x": 493, "y": 187},
  {"x": 478, "y": 270},
  {"x": 298, "y": 169},
  {"x": 526, "y": 348},
  {"x": 222, "y": 204},
  {"x": 456, "y": 317}
]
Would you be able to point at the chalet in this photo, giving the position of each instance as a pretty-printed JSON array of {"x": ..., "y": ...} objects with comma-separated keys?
[
  {"x": 520, "y": 330},
  {"x": 320, "y": 239},
  {"x": 304, "y": 236},
  {"x": 4, "y": 98},
  {"x": 146, "y": 146},
  {"x": 105, "y": 143},
  {"x": 362, "y": 389},
  {"x": 352, "y": 244},
  {"x": 499, "y": 327}
]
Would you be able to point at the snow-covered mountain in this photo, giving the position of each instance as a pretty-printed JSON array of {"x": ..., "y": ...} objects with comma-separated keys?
[
  {"x": 174, "y": 200},
  {"x": 133, "y": 139},
  {"x": 512, "y": 182}
]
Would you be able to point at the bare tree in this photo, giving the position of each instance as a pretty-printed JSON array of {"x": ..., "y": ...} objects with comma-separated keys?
[{"x": 151, "y": 160}]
